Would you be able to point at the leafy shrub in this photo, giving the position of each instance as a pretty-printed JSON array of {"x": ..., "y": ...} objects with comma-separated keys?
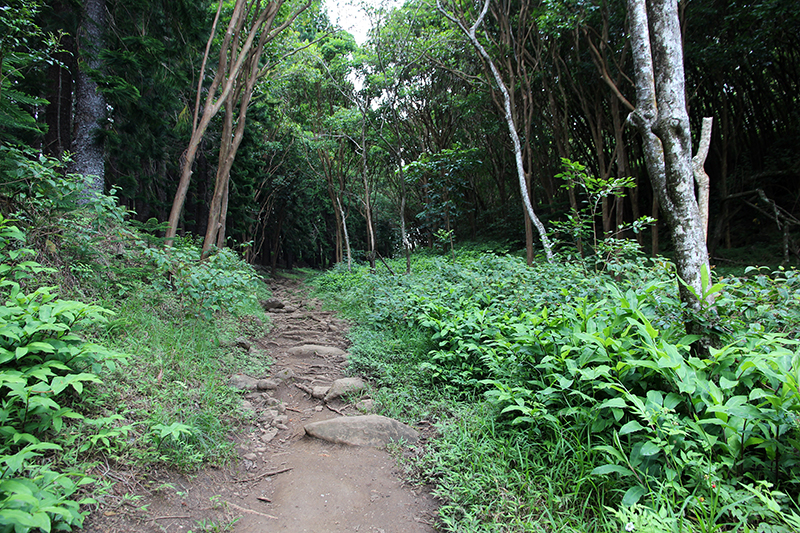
[
  {"x": 221, "y": 281},
  {"x": 43, "y": 364},
  {"x": 672, "y": 432}
]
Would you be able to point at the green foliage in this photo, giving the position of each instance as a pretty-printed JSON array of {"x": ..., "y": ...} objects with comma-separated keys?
[
  {"x": 22, "y": 44},
  {"x": 664, "y": 431},
  {"x": 223, "y": 281},
  {"x": 44, "y": 364},
  {"x": 611, "y": 251}
]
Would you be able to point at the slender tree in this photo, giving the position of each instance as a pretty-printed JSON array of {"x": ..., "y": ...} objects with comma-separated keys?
[
  {"x": 471, "y": 34},
  {"x": 249, "y": 29}
]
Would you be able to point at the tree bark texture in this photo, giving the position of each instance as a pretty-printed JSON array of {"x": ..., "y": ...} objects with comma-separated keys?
[
  {"x": 700, "y": 175},
  {"x": 663, "y": 121},
  {"x": 90, "y": 106}
]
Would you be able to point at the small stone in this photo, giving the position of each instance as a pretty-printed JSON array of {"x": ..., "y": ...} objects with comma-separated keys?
[
  {"x": 267, "y": 384},
  {"x": 344, "y": 386},
  {"x": 250, "y": 457},
  {"x": 268, "y": 416},
  {"x": 243, "y": 382},
  {"x": 319, "y": 391},
  {"x": 281, "y": 407},
  {"x": 268, "y": 435},
  {"x": 280, "y": 420},
  {"x": 247, "y": 406},
  {"x": 367, "y": 406},
  {"x": 271, "y": 303},
  {"x": 318, "y": 408},
  {"x": 243, "y": 343}
]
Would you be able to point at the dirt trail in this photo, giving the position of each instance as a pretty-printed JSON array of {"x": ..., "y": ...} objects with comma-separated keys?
[{"x": 290, "y": 482}]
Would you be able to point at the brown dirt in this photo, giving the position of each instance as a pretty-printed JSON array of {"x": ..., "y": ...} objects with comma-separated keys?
[{"x": 296, "y": 483}]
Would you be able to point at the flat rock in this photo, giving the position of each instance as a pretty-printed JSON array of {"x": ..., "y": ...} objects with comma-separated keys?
[
  {"x": 243, "y": 382},
  {"x": 366, "y": 430},
  {"x": 271, "y": 303},
  {"x": 344, "y": 386},
  {"x": 268, "y": 435},
  {"x": 310, "y": 350},
  {"x": 267, "y": 384}
]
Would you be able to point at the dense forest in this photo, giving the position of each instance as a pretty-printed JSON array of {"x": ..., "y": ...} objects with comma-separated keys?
[
  {"x": 579, "y": 193},
  {"x": 403, "y": 134}
]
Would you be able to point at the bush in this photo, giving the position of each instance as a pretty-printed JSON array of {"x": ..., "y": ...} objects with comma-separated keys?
[
  {"x": 44, "y": 365},
  {"x": 667, "y": 431}
]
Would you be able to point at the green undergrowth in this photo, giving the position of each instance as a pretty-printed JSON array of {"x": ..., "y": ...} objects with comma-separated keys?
[
  {"x": 115, "y": 350},
  {"x": 569, "y": 397}
]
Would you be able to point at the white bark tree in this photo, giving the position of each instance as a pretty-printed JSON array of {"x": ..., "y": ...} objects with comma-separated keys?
[
  {"x": 471, "y": 34},
  {"x": 663, "y": 121}
]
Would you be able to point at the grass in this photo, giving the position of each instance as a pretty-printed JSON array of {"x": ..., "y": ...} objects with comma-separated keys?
[
  {"x": 179, "y": 358},
  {"x": 178, "y": 370}
]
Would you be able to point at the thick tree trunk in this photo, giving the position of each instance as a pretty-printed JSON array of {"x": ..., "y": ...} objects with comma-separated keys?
[
  {"x": 90, "y": 106},
  {"x": 663, "y": 121}
]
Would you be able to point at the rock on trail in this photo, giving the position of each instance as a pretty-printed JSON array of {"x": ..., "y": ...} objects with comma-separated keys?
[{"x": 366, "y": 430}]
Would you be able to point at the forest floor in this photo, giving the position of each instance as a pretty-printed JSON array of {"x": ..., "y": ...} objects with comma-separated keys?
[{"x": 283, "y": 480}]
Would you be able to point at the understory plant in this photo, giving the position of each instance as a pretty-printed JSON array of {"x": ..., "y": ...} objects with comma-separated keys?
[
  {"x": 666, "y": 431},
  {"x": 44, "y": 366}
]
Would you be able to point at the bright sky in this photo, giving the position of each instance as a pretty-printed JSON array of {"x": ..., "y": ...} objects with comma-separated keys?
[{"x": 351, "y": 18}]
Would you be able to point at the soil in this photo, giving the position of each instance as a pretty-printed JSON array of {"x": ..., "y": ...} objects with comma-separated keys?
[{"x": 292, "y": 483}]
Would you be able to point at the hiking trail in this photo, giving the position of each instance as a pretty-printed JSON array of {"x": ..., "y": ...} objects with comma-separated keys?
[{"x": 284, "y": 479}]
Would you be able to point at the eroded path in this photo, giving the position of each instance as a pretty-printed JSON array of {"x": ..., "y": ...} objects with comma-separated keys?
[{"x": 286, "y": 480}]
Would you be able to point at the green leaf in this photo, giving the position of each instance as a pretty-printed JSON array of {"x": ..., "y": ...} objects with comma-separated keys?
[
  {"x": 727, "y": 384},
  {"x": 633, "y": 495},
  {"x": 613, "y": 402},
  {"x": 608, "y": 469},
  {"x": 631, "y": 427},
  {"x": 649, "y": 448}
]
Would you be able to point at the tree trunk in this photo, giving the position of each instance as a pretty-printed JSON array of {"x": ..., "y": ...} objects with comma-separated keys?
[
  {"x": 346, "y": 237},
  {"x": 90, "y": 106},
  {"x": 663, "y": 121},
  {"x": 60, "y": 80},
  {"x": 700, "y": 175},
  {"x": 509, "y": 116},
  {"x": 233, "y": 59}
]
